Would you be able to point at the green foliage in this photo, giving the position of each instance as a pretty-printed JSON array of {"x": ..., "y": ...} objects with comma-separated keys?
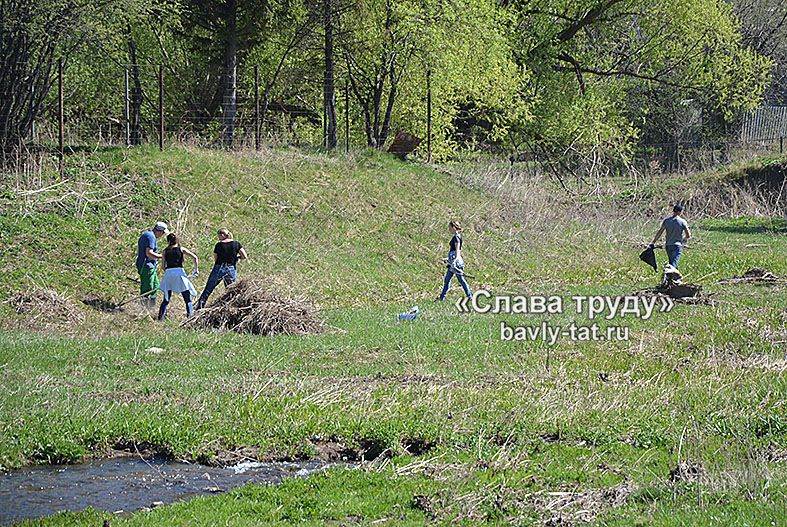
[{"x": 547, "y": 73}]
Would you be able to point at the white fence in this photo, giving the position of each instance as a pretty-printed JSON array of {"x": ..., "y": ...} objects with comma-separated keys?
[{"x": 766, "y": 124}]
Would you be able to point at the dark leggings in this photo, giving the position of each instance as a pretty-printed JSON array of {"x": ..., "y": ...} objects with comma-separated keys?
[{"x": 162, "y": 312}]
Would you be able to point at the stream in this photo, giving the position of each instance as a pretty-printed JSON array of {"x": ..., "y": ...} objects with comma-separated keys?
[{"x": 123, "y": 485}]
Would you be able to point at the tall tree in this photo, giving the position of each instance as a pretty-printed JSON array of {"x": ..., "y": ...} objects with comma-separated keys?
[
  {"x": 329, "y": 92},
  {"x": 224, "y": 32},
  {"x": 764, "y": 26},
  {"x": 588, "y": 57},
  {"x": 377, "y": 52},
  {"x": 32, "y": 35}
]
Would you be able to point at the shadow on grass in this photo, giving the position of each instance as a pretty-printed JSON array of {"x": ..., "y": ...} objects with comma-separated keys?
[
  {"x": 747, "y": 225},
  {"x": 100, "y": 304}
]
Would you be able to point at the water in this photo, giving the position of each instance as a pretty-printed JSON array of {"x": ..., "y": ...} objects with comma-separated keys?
[{"x": 128, "y": 484}]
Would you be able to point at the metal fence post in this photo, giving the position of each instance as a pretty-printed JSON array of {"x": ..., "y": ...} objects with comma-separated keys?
[
  {"x": 127, "y": 109},
  {"x": 428, "y": 116},
  {"x": 60, "y": 117},
  {"x": 256, "y": 107},
  {"x": 347, "y": 117},
  {"x": 161, "y": 107}
]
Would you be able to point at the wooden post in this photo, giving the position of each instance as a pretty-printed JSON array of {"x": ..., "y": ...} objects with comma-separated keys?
[
  {"x": 127, "y": 110},
  {"x": 161, "y": 107},
  {"x": 347, "y": 117},
  {"x": 428, "y": 116},
  {"x": 256, "y": 107},
  {"x": 60, "y": 117}
]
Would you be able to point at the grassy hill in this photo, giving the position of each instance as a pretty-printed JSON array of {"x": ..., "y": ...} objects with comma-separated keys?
[
  {"x": 352, "y": 230},
  {"x": 355, "y": 230},
  {"x": 502, "y": 428}
]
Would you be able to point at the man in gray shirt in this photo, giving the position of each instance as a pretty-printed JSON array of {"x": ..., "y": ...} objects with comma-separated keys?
[{"x": 674, "y": 226}]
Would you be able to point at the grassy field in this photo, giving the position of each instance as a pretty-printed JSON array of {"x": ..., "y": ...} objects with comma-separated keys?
[{"x": 684, "y": 423}]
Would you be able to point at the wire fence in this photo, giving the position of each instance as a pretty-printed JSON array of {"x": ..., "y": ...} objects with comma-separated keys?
[
  {"x": 139, "y": 104},
  {"x": 149, "y": 104}
]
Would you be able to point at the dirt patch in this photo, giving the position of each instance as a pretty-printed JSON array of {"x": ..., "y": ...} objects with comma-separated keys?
[
  {"x": 100, "y": 304},
  {"x": 249, "y": 307},
  {"x": 570, "y": 508},
  {"x": 687, "y": 472},
  {"x": 225, "y": 457},
  {"x": 144, "y": 449},
  {"x": 755, "y": 275},
  {"x": 767, "y": 181},
  {"x": 45, "y": 305},
  {"x": 424, "y": 504},
  {"x": 679, "y": 293},
  {"x": 417, "y": 446},
  {"x": 335, "y": 449}
]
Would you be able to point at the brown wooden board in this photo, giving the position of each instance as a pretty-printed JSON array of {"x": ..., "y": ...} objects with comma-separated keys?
[{"x": 404, "y": 144}]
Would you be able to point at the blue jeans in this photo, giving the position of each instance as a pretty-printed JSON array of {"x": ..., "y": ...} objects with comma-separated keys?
[
  {"x": 673, "y": 254},
  {"x": 162, "y": 312},
  {"x": 220, "y": 272},
  {"x": 450, "y": 274}
]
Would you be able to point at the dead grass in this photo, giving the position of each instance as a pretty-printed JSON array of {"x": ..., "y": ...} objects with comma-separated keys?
[
  {"x": 248, "y": 306},
  {"x": 45, "y": 305}
]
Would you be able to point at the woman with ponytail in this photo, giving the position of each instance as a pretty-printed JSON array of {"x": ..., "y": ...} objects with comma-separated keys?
[
  {"x": 175, "y": 279},
  {"x": 454, "y": 262},
  {"x": 226, "y": 254}
]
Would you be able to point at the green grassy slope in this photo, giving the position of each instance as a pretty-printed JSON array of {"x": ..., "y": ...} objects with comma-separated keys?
[
  {"x": 353, "y": 230},
  {"x": 362, "y": 229},
  {"x": 511, "y": 424}
]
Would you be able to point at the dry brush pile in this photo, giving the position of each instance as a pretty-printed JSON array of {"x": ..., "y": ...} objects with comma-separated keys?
[
  {"x": 250, "y": 307},
  {"x": 44, "y": 305}
]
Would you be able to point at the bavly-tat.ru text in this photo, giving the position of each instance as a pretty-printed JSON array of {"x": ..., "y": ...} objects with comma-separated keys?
[{"x": 550, "y": 334}]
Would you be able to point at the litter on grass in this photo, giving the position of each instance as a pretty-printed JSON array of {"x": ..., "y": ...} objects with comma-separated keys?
[
  {"x": 250, "y": 307},
  {"x": 412, "y": 314}
]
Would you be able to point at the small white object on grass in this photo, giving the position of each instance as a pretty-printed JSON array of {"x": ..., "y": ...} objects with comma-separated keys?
[
  {"x": 155, "y": 350},
  {"x": 412, "y": 314}
]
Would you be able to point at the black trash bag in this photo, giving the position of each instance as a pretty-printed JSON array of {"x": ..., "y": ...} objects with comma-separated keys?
[{"x": 649, "y": 257}]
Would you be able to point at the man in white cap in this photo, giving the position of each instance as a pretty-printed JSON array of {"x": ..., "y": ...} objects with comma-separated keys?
[{"x": 147, "y": 261}]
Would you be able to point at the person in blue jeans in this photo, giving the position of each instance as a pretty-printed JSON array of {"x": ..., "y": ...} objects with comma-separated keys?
[
  {"x": 454, "y": 262},
  {"x": 674, "y": 226},
  {"x": 226, "y": 254}
]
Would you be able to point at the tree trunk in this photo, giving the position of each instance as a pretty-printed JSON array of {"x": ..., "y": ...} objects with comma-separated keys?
[
  {"x": 377, "y": 98},
  {"x": 386, "y": 128},
  {"x": 229, "y": 99},
  {"x": 329, "y": 88},
  {"x": 24, "y": 83}
]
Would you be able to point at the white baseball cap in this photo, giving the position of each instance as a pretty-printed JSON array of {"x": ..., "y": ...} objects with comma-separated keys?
[{"x": 160, "y": 226}]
